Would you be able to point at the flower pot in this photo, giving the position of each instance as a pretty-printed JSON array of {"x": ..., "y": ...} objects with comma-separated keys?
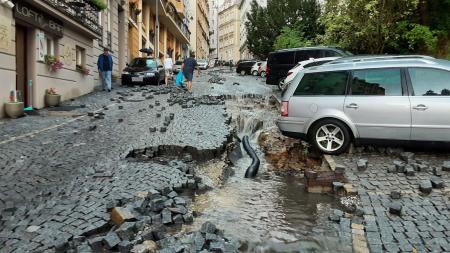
[
  {"x": 14, "y": 110},
  {"x": 52, "y": 100}
]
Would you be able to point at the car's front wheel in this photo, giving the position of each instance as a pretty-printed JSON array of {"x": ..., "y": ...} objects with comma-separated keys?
[
  {"x": 330, "y": 136},
  {"x": 255, "y": 73},
  {"x": 263, "y": 74},
  {"x": 242, "y": 72}
]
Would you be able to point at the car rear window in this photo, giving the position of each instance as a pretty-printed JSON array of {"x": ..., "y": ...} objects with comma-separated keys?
[
  {"x": 324, "y": 83},
  {"x": 430, "y": 82},
  {"x": 377, "y": 82}
]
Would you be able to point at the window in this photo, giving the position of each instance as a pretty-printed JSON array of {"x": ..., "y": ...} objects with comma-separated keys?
[
  {"x": 325, "y": 83},
  {"x": 80, "y": 57},
  {"x": 330, "y": 53},
  {"x": 377, "y": 82},
  {"x": 301, "y": 55},
  {"x": 430, "y": 82},
  {"x": 283, "y": 58}
]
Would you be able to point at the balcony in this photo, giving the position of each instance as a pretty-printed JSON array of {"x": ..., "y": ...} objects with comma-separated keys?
[
  {"x": 179, "y": 7},
  {"x": 86, "y": 18}
]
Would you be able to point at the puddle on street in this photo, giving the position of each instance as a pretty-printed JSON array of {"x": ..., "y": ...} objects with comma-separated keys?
[{"x": 270, "y": 213}]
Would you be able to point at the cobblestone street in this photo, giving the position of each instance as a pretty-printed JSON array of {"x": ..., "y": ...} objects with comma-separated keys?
[
  {"x": 67, "y": 172},
  {"x": 404, "y": 197},
  {"x": 59, "y": 173}
]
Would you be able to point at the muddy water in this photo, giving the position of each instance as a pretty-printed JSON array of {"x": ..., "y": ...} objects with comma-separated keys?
[{"x": 269, "y": 213}]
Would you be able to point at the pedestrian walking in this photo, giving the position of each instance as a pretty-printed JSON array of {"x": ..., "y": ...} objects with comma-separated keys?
[
  {"x": 105, "y": 66},
  {"x": 168, "y": 68},
  {"x": 188, "y": 67}
]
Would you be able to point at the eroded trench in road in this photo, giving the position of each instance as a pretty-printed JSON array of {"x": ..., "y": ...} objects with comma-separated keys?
[{"x": 272, "y": 212}]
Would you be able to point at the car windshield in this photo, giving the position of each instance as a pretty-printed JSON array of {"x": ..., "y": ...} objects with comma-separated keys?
[
  {"x": 143, "y": 62},
  {"x": 178, "y": 62},
  {"x": 201, "y": 61}
]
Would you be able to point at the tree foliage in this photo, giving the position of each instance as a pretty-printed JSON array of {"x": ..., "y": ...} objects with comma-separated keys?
[
  {"x": 266, "y": 24},
  {"x": 387, "y": 26},
  {"x": 291, "y": 38}
]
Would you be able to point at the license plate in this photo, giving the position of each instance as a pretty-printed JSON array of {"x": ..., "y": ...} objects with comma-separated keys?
[
  {"x": 150, "y": 74},
  {"x": 137, "y": 79}
]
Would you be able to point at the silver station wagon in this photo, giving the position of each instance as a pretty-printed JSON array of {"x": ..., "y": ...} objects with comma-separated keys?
[{"x": 369, "y": 99}]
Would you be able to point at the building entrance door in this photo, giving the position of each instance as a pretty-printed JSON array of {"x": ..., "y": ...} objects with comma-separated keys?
[{"x": 21, "y": 62}]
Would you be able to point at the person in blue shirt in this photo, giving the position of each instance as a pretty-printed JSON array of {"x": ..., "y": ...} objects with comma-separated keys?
[
  {"x": 188, "y": 67},
  {"x": 105, "y": 66}
]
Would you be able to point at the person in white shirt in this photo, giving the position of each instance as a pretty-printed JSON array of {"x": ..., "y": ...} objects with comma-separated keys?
[{"x": 168, "y": 67}]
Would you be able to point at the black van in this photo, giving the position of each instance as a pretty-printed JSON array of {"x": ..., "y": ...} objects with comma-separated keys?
[{"x": 281, "y": 61}]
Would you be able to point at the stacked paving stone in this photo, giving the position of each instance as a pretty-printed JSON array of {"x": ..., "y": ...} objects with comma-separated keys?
[{"x": 404, "y": 199}]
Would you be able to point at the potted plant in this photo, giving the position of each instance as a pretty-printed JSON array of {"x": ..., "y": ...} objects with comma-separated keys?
[
  {"x": 52, "y": 98},
  {"x": 14, "y": 108},
  {"x": 83, "y": 70},
  {"x": 53, "y": 63}
]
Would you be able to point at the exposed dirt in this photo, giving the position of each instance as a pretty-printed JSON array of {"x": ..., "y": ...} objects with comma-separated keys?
[{"x": 287, "y": 155}]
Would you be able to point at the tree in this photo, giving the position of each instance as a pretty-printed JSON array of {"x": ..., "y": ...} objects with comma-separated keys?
[
  {"x": 259, "y": 33},
  {"x": 264, "y": 25},
  {"x": 291, "y": 38},
  {"x": 364, "y": 26}
]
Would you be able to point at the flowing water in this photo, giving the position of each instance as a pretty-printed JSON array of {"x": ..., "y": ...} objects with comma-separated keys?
[{"x": 269, "y": 213}]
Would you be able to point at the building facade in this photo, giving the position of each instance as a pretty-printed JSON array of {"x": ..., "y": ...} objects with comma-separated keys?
[
  {"x": 159, "y": 25},
  {"x": 229, "y": 31},
  {"x": 213, "y": 29},
  {"x": 199, "y": 27},
  {"x": 54, "y": 44},
  {"x": 244, "y": 9}
]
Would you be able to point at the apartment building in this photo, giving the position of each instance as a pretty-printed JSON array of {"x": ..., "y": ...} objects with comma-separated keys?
[
  {"x": 213, "y": 29},
  {"x": 245, "y": 8},
  {"x": 159, "y": 25},
  {"x": 229, "y": 31},
  {"x": 199, "y": 27}
]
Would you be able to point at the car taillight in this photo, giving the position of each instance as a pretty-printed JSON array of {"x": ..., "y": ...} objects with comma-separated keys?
[
  {"x": 284, "y": 108},
  {"x": 267, "y": 70},
  {"x": 289, "y": 73}
]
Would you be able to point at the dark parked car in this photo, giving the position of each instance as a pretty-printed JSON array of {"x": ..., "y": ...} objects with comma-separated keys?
[
  {"x": 280, "y": 62},
  {"x": 143, "y": 71},
  {"x": 245, "y": 67}
]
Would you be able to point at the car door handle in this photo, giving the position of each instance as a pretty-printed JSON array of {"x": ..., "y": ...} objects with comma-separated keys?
[
  {"x": 420, "y": 107},
  {"x": 352, "y": 105}
]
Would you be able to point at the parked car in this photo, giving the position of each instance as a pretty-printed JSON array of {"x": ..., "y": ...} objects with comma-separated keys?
[
  {"x": 245, "y": 67},
  {"x": 177, "y": 66},
  {"x": 255, "y": 68},
  {"x": 384, "y": 99},
  {"x": 143, "y": 71},
  {"x": 202, "y": 64},
  {"x": 262, "y": 69},
  {"x": 300, "y": 66},
  {"x": 280, "y": 62}
]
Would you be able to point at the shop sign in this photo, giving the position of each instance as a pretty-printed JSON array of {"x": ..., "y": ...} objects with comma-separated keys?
[{"x": 38, "y": 19}]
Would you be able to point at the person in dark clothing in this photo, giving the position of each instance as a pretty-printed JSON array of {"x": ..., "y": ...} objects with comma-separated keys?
[
  {"x": 105, "y": 66},
  {"x": 188, "y": 70}
]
